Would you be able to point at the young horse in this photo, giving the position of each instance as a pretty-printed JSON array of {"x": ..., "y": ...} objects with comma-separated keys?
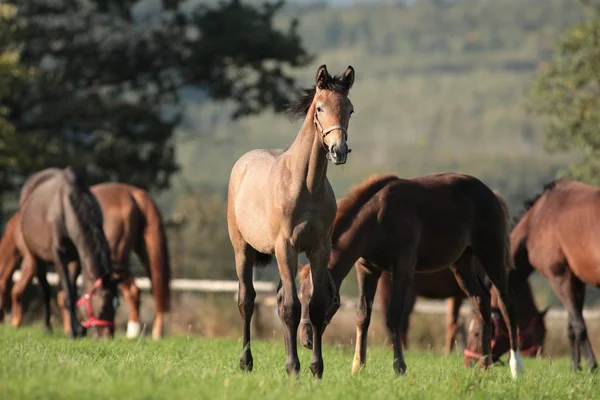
[
  {"x": 280, "y": 202},
  {"x": 532, "y": 329},
  {"x": 557, "y": 237},
  {"x": 434, "y": 285},
  {"x": 421, "y": 224},
  {"x": 61, "y": 222},
  {"x": 131, "y": 222}
]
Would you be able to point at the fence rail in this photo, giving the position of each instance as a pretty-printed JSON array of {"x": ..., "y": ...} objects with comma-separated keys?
[{"x": 267, "y": 289}]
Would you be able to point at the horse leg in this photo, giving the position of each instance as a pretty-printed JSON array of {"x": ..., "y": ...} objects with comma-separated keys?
[
  {"x": 367, "y": 287},
  {"x": 409, "y": 305},
  {"x": 571, "y": 291},
  {"x": 10, "y": 265},
  {"x": 67, "y": 275},
  {"x": 131, "y": 293},
  {"x": 288, "y": 306},
  {"x": 244, "y": 259},
  {"x": 45, "y": 291},
  {"x": 466, "y": 278},
  {"x": 28, "y": 267},
  {"x": 62, "y": 304},
  {"x": 385, "y": 296},
  {"x": 452, "y": 310},
  {"x": 402, "y": 277}
]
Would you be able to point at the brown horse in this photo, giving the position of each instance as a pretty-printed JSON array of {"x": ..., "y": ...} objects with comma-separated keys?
[
  {"x": 557, "y": 237},
  {"x": 419, "y": 225},
  {"x": 131, "y": 222},
  {"x": 532, "y": 329},
  {"x": 280, "y": 202},
  {"x": 61, "y": 222}
]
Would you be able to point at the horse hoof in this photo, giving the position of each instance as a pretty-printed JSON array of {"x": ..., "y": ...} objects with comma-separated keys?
[
  {"x": 593, "y": 368},
  {"x": 399, "y": 367},
  {"x": 317, "y": 370},
  {"x": 246, "y": 362},
  {"x": 356, "y": 366}
]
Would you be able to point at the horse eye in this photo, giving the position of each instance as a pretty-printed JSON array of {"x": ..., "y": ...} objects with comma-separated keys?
[
  {"x": 319, "y": 109},
  {"x": 351, "y": 112}
]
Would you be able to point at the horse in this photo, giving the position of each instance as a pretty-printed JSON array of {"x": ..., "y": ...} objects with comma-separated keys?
[
  {"x": 556, "y": 236},
  {"x": 413, "y": 225},
  {"x": 280, "y": 202},
  {"x": 131, "y": 222},
  {"x": 531, "y": 333},
  {"x": 60, "y": 222}
]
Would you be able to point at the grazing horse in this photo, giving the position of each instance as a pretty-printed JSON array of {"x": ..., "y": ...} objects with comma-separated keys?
[
  {"x": 413, "y": 225},
  {"x": 131, "y": 222},
  {"x": 532, "y": 329},
  {"x": 557, "y": 237},
  {"x": 280, "y": 202},
  {"x": 9, "y": 257},
  {"x": 61, "y": 222}
]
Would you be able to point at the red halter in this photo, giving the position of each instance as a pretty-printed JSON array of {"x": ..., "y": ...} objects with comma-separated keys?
[{"x": 92, "y": 320}]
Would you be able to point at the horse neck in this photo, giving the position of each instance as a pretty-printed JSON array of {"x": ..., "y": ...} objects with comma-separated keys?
[
  {"x": 307, "y": 156},
  {"x": 348, "y": 249}
]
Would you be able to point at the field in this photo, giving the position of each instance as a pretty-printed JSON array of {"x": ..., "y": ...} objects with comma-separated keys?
[{"x": 36, "y": 366}]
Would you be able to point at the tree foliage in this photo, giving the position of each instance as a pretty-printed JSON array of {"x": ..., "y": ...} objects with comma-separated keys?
[
  {"x": 567, "y": 92},
  {"x": 107, "y": 96}
]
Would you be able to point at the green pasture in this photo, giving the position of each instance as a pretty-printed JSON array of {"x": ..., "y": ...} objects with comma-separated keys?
[{"x": 38, "y": 366}]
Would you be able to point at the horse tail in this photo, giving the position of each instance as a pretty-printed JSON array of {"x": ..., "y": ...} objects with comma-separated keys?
[
  {"x": 156, "y": 250},
  {"x": 508, "y": 259}
]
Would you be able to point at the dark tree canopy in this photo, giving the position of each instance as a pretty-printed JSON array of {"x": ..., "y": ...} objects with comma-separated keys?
[{"x": 105, "y": 99}]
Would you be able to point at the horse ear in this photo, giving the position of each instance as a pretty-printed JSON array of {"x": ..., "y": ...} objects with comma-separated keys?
[
  {"x": 348, "y": 77},
  {"x": 322, "y": 76}
]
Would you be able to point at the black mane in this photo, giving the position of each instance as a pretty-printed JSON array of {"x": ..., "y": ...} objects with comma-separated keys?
[
  {"x": 299, "y": 108},
  {"x": 527, "y": 204}
]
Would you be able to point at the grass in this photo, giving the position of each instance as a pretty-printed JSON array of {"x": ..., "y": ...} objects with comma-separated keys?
[{"x": 36, "y": 366}]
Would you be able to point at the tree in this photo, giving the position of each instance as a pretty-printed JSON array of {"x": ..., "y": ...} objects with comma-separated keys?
[
  {"x": 106, "y": 97},
  {"x": 567, "y": 92}
]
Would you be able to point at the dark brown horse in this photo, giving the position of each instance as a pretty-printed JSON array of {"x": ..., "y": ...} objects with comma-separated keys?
[
  {"x": 531, "y": 333},
  {"x": 132, "y": 223},
  {"x": 61, "y": 222},
  {"x": 280, "y": 202},
  {"x": 557, "y": 236},
  {"x": 419, "y": 225}
]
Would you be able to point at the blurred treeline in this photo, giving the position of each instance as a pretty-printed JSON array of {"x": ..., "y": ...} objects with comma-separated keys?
[{"x": 439, "y": 87}]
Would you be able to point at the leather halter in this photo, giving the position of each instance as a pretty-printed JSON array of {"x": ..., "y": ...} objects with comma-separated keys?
[
  {"x": 325, "y": 132},
  {"x": 335, "y": 301},
  {"x": 86, "y": 299}
]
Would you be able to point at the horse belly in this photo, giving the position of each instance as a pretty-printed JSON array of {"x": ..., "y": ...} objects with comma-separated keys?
[{"x": 253, "y": 224}]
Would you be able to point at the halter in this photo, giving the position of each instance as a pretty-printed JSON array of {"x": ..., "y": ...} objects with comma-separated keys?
[
  {"x": 534, "y": 349},
  {"x": 92, "y": 320},
  {"x": 325, "y": 132},
  {"x": 335, "y": 301}
]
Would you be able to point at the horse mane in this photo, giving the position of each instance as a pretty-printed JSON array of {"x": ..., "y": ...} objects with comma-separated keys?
[
  {"x": 349, "y": 205},
  {"x": 88, "y": 213},
  {"x": 299, "y": 108}
]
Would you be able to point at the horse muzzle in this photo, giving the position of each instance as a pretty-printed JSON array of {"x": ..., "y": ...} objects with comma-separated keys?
[{"x": 338, "y": 153}]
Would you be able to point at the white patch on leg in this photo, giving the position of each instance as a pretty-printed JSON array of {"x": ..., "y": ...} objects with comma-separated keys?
[
  {"x": 133, "y": 329},
  {"x": 516, "y": 365}
]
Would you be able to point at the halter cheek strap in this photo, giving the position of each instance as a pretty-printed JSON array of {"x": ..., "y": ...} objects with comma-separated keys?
[
  {"x": 325, "y": 132},
  {"x": 86, "y": 299}
]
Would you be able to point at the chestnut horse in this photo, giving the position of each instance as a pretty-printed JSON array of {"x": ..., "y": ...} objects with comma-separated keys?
[
  {"x": 418, "y": 225},
  {"x": 532, "y": 329},
  {"x": 557, "y": 237},
  {"x": 280, "y": 202},
  {"x": 131, "y": 222},
  {"x": 60, "y": 222}
]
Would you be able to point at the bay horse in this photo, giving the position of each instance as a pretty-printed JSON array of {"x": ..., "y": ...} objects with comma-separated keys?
[
  {"x": 132, "y": 223},
  {"x": 280, "y": 202},
  {"x": 557, "y": 236},
  {"x": 60, "y": 222},
  {"x": 418, "y": 225},
  {"x": 531, "y": 333}
]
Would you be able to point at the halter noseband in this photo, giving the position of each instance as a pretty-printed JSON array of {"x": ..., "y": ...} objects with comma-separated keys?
[{"x": 86, "y": 299}]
